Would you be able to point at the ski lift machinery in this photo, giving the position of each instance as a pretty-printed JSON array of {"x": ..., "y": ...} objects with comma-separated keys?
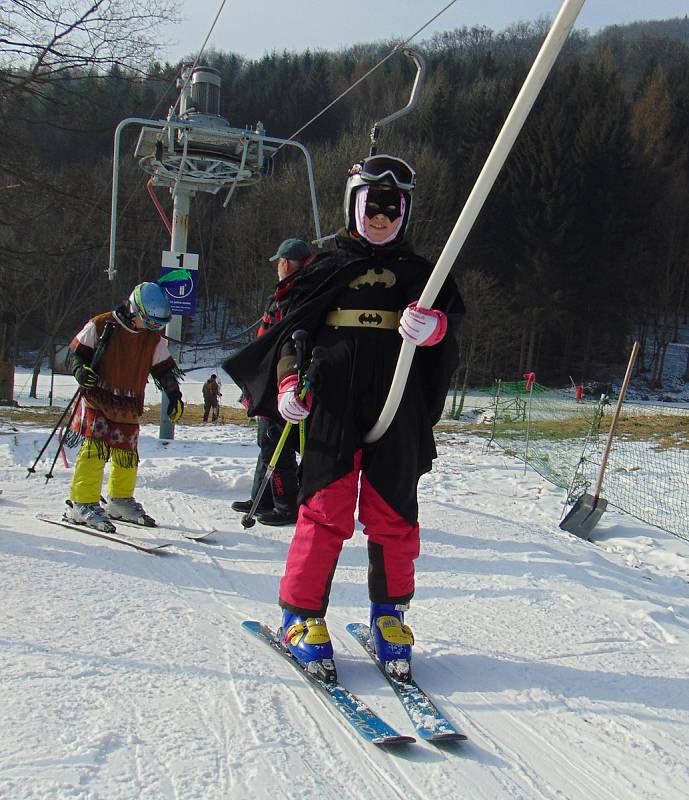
[{"x": 197, "y": 150}]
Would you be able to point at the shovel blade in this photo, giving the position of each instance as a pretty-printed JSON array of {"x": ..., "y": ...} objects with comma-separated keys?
[{"x": 584, "y": 515}]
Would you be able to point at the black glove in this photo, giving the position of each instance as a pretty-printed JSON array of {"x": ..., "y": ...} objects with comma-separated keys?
[
  {"x": 175, "y": 406},
  {"x": 86, "y": 377}
]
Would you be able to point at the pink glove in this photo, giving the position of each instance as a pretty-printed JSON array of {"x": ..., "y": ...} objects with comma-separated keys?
[
  {"x": 422, "y": 326},
  {"x": 291, "y": 407}
]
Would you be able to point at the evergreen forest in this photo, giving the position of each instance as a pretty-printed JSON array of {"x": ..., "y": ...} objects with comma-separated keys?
[{"x": 582, "y": 244}]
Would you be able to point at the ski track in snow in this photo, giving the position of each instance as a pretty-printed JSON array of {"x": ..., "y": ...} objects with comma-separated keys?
[{"x": 127, "y": 675}]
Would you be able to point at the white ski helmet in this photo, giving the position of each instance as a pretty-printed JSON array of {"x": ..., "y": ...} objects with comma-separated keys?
[
  {"x": 149, "y": 302},
  {"x": 379, "y": 170}
]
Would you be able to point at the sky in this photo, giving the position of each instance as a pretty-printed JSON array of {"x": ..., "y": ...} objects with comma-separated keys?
[
  {"x": 254, "y": 29},
  {"x": 128, "y": 676}
]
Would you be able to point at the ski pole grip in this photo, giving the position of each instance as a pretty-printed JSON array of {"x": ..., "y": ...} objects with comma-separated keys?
[
  {"x": 318, "y": 356},
  {"x": 300, "y": 339}
]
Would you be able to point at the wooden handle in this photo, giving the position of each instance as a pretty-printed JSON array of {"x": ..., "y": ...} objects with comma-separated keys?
[{"x": 618, "y": 408}]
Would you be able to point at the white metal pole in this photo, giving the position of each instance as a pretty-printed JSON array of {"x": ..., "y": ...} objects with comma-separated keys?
[
  {"x": 563, "y": 24},
  {"x": 178, "y": 244},
  {"x": 112, "y": 263}
]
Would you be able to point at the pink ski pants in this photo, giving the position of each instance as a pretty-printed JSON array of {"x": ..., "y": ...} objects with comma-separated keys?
[{"x": 325, "y": 521}]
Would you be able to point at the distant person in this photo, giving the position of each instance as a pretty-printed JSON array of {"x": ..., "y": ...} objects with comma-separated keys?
[
  {"x": 112, "y": 403},
  {"x": 279, "y": 506},
  {"x": 211, "y": 392}
]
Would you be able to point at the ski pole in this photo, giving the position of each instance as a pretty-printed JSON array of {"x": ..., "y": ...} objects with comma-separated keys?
[
  {"x": 30, "y": 470},
  {"x": 302, "y": 437},
  {"x": 61, "y": 443},
  {"x": 108, "y": 330},
  {"x": 301, "y": 339},
  {"x": 248, "y": 520}
]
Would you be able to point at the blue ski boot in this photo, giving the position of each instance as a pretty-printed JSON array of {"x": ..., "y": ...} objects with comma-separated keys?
[
  {"x": 308, "y": 640},
  {"x": 391, "y": 639}
]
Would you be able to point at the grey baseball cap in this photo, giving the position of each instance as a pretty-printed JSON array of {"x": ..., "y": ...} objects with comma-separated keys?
[{"x": 294, "y": 249}]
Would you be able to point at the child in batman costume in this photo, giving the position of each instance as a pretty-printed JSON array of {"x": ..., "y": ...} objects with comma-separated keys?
[{"x": 357, "y": 302}]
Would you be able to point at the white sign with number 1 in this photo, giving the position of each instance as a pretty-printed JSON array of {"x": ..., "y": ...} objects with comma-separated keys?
[{"x": 174, "y": 260}]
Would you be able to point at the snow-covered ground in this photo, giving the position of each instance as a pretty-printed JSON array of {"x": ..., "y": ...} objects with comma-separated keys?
[{"x": 127, "y": 675}]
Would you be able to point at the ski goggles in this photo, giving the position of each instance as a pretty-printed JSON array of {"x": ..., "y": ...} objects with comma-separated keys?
[
  {"x": 151, "y": 323},
  {"x": 376, "y": 168}
]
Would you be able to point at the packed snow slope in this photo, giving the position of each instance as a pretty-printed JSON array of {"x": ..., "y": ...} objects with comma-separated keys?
[{"x": 127, "y": 675}]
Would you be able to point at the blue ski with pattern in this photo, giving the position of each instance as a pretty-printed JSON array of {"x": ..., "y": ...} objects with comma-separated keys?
[
  {"x": 364, "y": 721},
  {"x": 430, "y": 724}
]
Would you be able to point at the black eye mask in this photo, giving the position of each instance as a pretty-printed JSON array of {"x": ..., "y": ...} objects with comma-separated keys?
[{"x": 383, "y": 201}]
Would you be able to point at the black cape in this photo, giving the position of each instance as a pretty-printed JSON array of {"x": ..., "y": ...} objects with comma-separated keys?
[{"x": 355, "y": 378}]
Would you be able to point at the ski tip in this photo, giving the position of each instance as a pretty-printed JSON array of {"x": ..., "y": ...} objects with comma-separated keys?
[
  {"x": 259, "y": 629},
  {"x": 383, "y": 741},
  {"x": 454, "y": 736},
  {"x": 252, "y": 625}
]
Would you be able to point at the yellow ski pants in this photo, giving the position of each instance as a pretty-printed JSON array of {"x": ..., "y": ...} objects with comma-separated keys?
[{"x": 88, "y": 476}]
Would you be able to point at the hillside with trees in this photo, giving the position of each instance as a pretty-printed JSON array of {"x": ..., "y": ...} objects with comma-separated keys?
[{"x": 583, "y": 242}]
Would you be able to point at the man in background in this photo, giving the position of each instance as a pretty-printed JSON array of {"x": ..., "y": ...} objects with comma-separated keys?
[
  {"x": 211, "y": 393},
  {"x": 279, "y": 505}
]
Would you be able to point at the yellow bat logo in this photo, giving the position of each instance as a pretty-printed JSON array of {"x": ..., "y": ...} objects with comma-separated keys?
[{"x": 375, "y": 277}]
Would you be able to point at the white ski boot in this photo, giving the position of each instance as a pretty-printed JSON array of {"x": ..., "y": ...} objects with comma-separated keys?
[
  {"x": 90, "y": 514},
  {"x": 128, "y": 510}
]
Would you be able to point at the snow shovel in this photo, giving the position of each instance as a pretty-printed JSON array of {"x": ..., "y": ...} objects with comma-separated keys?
[{"x": 588, "y": 509}]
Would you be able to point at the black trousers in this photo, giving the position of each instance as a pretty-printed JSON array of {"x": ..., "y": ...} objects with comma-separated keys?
[{"x": 284, "y": 485}]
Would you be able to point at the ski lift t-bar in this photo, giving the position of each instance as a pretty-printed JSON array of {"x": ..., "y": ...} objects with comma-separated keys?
[
  {"x": 540, "y": 69},
  {"x": 413, "y": 99}
]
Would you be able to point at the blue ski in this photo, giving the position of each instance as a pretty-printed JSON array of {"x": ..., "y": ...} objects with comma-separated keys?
[
  {"x": 364, "y": 721},
  {"x": 430, "y": 724}
]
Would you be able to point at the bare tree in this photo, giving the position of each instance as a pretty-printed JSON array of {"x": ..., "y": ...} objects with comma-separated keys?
[{"x": 41, "y": 40}]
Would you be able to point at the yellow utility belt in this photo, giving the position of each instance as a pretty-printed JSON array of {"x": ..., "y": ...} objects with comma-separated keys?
[{"x": 363, "y": 318}]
